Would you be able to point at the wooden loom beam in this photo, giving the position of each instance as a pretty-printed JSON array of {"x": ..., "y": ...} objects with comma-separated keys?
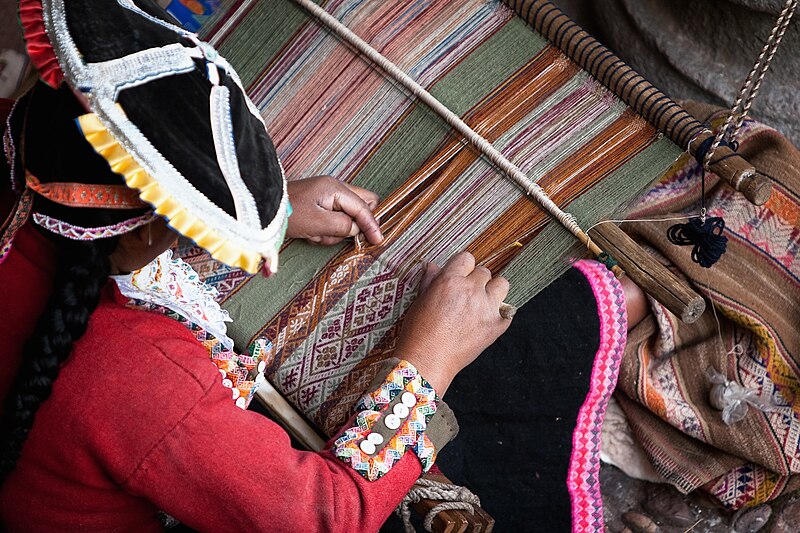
[
  {"x": 653, "y": 277},
  {"x": 657, "y": 108}
]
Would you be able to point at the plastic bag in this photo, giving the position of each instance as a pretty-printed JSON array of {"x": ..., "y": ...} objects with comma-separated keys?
[{"x": 733, "y": 399}]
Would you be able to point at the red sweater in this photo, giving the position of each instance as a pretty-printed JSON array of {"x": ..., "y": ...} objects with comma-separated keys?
[{"x": 139, "y": 421}]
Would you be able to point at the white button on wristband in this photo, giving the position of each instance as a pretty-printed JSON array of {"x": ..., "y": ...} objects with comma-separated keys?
[
  {"x": 375, "y": 438},
  {"x": 392, "y": 421},
  {"x": 367, "y": 447},
  {"x": 408, "y": 399},
  {"x": 400, "y": 410}
]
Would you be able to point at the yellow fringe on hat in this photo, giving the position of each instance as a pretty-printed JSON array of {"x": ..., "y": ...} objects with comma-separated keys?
[{"x": 167, "y": 206}]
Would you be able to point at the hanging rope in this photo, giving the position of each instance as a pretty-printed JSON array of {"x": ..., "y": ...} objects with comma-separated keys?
[
  {"x": 485, "y": 147},
  {"x": 453, "y": 497},
  {"x": 752, "y": 84},
  {"x": 703, "y": 233}
]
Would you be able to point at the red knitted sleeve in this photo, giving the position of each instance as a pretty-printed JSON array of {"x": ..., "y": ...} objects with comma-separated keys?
[{"x": 224, "y": 469}]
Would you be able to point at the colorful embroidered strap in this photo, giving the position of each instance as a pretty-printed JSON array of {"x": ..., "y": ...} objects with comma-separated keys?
[
  {"x": 79, "y": 233},
  {"x": 242, "y": 373},
  {"x": 399, "y": 411},
  {"x": 86, "y": 194}
]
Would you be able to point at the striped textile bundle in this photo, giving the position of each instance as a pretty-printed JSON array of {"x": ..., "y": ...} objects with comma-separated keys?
[{"x": 333, "y": 313}]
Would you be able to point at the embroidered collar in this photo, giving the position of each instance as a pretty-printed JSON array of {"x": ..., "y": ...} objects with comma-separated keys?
[
  {"x": 173, "y": 284},
  {"x": 172, "y": 288}
]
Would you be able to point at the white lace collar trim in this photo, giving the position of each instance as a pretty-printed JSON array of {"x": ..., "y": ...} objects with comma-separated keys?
[{"x": 174, "y": 284}]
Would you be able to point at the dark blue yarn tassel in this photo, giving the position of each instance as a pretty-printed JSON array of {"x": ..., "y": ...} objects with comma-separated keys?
[
  {"x": 705, "y": 234},
  {"x": 707, "y": 238}
]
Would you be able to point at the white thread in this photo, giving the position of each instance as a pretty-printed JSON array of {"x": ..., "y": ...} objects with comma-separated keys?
[
  {"x": 498, "y": 159},
  {"x": 684, "y": 217}
]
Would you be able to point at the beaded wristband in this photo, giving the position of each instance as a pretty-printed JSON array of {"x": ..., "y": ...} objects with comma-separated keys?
[{"x": 398, "y": 411}]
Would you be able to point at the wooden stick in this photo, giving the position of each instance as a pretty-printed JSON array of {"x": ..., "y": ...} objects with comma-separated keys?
[
  {"x": 478, "y": 141},
  {"x": 288, "y": 417},
  {"x": 453, "y": 521},
  {"x": 653, "y": 277},
  {"x": 507, "y": 311}
]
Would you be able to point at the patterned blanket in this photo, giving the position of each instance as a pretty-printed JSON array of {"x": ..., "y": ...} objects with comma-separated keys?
[{"x": 755, "y": 289}]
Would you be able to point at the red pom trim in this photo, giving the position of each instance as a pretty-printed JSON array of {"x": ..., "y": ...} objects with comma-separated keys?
[{"x": 40, "y": 49}]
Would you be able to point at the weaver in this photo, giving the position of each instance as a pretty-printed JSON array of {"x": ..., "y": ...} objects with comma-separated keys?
[{"x": 330, "y": 111}]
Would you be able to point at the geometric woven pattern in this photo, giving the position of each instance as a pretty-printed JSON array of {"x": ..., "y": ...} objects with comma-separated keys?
[
  {"x": 333, "y": 315},
  {"x": 754, "y": 290}
]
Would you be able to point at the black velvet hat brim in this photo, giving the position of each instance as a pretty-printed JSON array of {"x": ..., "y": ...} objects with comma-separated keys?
[{"x": 173, "y": 112}]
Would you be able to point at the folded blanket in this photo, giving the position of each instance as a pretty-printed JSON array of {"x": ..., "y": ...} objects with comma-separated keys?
[{"x": 755, "y": 290}]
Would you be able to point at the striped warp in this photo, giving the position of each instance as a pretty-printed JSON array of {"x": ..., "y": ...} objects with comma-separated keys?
[{"x": 334, "y": 313}]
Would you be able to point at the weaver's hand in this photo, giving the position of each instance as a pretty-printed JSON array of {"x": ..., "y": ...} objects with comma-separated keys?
[
  {"x": 326, "y": 211},
  {"x": 454, "y": 319}
]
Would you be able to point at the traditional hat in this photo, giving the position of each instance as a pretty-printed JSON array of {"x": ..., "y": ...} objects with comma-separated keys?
[{"x": 177, "y": 134}]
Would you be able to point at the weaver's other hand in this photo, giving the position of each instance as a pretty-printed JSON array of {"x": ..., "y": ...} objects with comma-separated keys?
[
  {"x": 326, "y": 211},
  {"x": 453, "y": 320}
]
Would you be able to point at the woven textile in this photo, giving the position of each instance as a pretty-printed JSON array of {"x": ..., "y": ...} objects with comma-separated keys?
[
  {"x": 334, "y": 313},
  {"x": 755, "y": 288}
]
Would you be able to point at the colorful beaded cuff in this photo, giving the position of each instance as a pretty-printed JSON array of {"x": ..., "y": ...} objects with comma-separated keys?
[{"x": 390, "y": 421}]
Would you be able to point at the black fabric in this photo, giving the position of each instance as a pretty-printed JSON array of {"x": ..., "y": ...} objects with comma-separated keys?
[
  {"x": 173, "y": 112},
  {"x": 104, "y": 30},
  {"x": 189, "y": 145},
  {"x": 54, "y": 150},
  {"x": 517, "y": 405},
  {"x": 181, "y": 132}
]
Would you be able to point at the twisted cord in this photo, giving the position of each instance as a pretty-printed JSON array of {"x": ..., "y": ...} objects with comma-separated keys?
[
  {"x": 453, "y": 497},
  {"x": 776, "y": 36},
  {"x": 750, "y": 88}
]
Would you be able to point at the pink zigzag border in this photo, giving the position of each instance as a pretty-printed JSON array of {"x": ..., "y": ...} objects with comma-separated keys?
[{"x": 583, "y": 479}]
